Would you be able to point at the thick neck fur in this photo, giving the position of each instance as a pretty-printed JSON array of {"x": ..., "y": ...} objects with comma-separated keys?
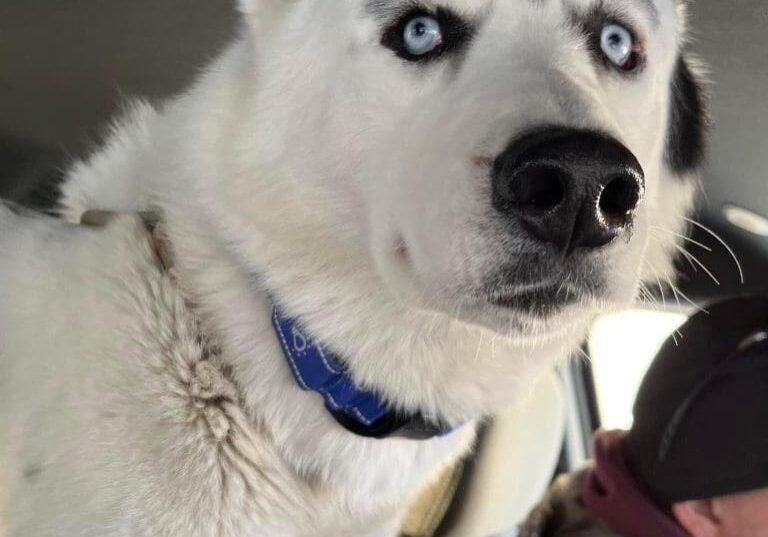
[{"x": 178, "y": 161}]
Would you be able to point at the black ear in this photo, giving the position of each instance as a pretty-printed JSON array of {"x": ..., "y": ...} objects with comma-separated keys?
[{"x": 688, "y": 121}]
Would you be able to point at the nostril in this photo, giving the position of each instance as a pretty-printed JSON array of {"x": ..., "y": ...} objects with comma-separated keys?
[
  {"x": 568, "y": 188},
  {"x": 538, "y": 188},
  {"x": 619, "y": 199}
]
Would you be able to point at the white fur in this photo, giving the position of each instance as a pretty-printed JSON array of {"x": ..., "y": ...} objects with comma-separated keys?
[{"x": 298, "y": 163}]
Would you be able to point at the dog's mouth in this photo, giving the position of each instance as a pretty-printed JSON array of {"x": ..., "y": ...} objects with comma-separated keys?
[
  {"x": 539, "y": 300},
  {"x": 521, "y": 291}
]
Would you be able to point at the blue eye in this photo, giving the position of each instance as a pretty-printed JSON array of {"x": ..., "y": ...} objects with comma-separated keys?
[
  {"x": 618, "y": 46},
  {"x": 422, "y": 35}
]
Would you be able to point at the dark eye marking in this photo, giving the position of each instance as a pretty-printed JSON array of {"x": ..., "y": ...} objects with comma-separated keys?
[
  {"x": 451, "y": 32},
  {"x": 595, "y": 23}
]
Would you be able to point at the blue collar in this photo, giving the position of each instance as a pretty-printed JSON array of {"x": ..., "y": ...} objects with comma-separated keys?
[{"x": 359, "y": 411}]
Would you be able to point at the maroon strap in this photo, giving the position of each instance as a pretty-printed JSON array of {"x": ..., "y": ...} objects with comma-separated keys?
[{"x": 611, "y": 493}]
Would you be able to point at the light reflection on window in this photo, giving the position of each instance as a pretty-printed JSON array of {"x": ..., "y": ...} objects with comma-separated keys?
[{"x": 622, "y": 347}]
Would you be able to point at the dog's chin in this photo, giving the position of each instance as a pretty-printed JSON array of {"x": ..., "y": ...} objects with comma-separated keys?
[
  {"x": 526, "y": 318},
  {"x": 530, "y": 316},
  {"x": 538, "y": 301},
  {"x": 527, "y": 312}
]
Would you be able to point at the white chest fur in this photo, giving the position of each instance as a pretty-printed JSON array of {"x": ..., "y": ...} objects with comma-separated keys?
[{"x": 115, "y": 419}]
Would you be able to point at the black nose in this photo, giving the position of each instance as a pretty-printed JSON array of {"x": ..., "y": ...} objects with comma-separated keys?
[{"x": 570, "y": 188}]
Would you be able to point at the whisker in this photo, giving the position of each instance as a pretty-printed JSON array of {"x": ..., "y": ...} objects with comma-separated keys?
[
  {"x": 683, "y": 237},
  {"x": 663, "y": 296},
  {"x": 687, "y": 299},
  {"x": 674, "y": 293},
  {"x": 693, "y": 259},
  {"x": 479, "y": 349},
  {"x": 658, "y": 284},
  {"x": 675, "y": 333},
  {"x": 679, "y": 333},
  {"x": 668, "y": 280},
  {"x": 721, "y": 241},
  {"x": 687, "y": 257},
  {"x": 584, "y": 355},
  {"x": 642, "y": 297},
  {"x": 648, "y": 296}
]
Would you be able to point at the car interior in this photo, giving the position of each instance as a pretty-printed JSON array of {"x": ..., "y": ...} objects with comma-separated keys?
[{"x": 66, "y": 69}]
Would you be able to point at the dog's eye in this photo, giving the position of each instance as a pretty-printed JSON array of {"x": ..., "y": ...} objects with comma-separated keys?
[
  {"x": 422, "y": 35},
  {"x": 619, "y": 47}
]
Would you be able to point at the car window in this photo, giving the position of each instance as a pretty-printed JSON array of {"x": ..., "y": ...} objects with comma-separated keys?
[{"x": 621, "y": 347}]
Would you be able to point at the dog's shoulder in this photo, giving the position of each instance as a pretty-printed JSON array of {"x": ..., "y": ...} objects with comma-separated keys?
[
  {"x": 108, "y": 372},
  {"x": 89, "y": 309}
]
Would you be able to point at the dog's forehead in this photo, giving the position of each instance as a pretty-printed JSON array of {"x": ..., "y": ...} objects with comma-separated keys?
[
  {"x": 386, "y": 7},
  {"x": 466, "y": 5},
  {"x": 649, "y": 7}
]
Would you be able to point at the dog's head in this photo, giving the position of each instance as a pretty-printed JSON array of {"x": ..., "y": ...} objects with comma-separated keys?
[{"x": 516, "y": 163}]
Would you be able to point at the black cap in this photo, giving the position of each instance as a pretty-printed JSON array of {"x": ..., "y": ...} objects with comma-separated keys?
[{"x": 701, "y": 416}]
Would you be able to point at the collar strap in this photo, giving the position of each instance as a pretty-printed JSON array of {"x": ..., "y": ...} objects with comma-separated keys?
[{"x": 360, "y": 411}]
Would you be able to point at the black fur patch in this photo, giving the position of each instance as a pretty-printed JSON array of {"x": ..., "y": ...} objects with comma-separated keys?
[{"x": 688, "y": 121}]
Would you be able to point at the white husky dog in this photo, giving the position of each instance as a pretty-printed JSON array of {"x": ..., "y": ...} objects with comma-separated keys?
[{"x": 436, "y": 195}]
